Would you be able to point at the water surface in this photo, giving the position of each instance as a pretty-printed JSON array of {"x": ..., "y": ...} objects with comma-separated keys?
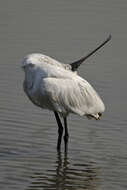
[{"x": 97, "y": 156}]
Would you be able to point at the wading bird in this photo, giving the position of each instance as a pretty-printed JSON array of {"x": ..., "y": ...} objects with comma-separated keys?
[{"x": 52, "y": 85}]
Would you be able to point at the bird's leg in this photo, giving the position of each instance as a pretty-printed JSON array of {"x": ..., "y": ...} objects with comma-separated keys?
[
  {"x": 66, "y": 136},
  {"x": 60, "y": 130}
]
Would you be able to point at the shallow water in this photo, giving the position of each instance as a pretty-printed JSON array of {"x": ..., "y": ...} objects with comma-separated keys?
[{"x": 97, "y": 156}]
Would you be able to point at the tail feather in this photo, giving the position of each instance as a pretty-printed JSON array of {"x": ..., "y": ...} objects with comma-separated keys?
[{"x": 95, "y": 116}]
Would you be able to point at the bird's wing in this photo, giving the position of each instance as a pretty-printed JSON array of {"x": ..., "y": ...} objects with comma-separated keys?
[{"x": 68, "y": 95}]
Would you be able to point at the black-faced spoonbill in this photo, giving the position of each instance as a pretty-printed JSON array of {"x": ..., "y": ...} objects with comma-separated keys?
[{"x": 52, "y": 85}]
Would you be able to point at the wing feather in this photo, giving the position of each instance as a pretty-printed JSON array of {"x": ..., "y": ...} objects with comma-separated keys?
[{"x": 72, "y": 95}]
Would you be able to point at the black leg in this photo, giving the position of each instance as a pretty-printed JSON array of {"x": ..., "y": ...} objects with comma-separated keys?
[
  {"x": 60, "y": 130},
  {"x": 66, "y": 136}
]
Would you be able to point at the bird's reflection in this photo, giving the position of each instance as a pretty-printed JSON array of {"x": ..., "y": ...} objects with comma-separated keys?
[{"x": 67, "y": 175}]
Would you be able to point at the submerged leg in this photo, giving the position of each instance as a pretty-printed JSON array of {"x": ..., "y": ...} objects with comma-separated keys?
[
  {"x": 66, "y": 136},
  {"x": 60, "y": 130}
]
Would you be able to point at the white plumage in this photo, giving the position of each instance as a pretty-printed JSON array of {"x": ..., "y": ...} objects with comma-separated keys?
[{"x": 54, "y": 86}]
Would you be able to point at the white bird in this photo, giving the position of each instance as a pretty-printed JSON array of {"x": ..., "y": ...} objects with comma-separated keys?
[{"x": 55, "y": 86}]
